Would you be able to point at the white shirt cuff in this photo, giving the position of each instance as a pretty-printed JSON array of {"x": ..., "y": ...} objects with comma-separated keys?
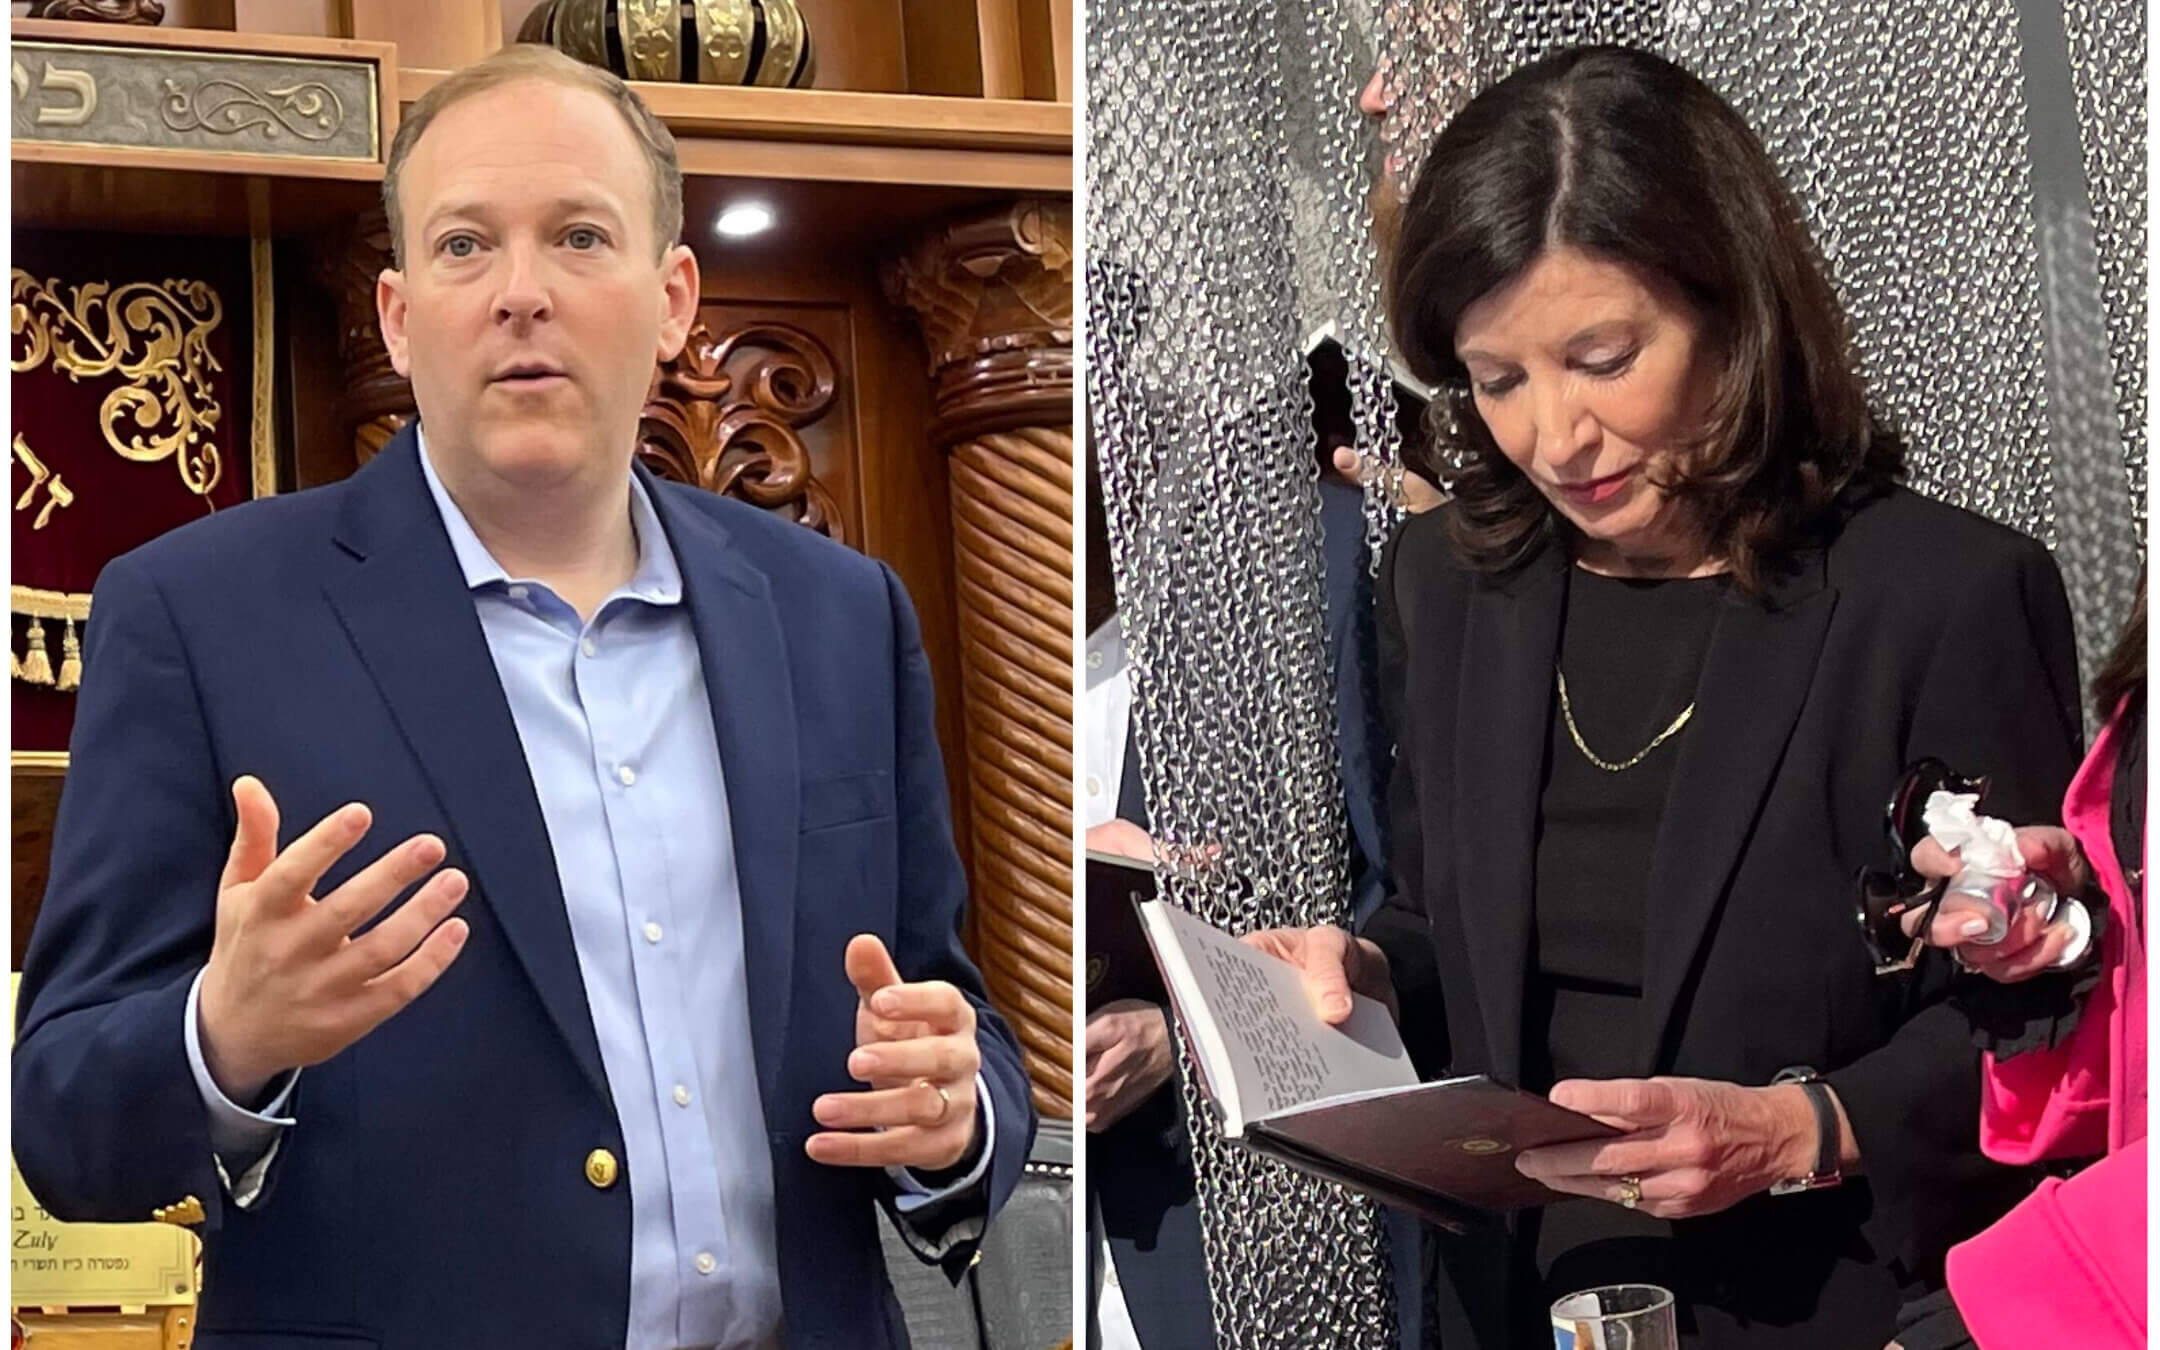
[
  {"x": 914, "y": 1195},
  {"x": 237, "y": 1135}
]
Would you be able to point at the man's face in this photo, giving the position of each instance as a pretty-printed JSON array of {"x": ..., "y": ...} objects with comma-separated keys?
[
  {"x": 534, "y": 301},
  {"x": 1386, "y": 194}
]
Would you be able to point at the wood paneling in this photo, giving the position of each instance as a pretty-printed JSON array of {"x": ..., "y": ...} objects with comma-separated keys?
[
  {"x": 437, "y": 34},
  {"x": 1064, "y": 34},
  {"x": 310, "y": 375},
  {"x": 860, "y": 44},
  {"x": 35, "y": 798},
  {"x": 1009, "y": 173},
  {"x": 900, "y": 486},
  {"x": 1046, "y": 49},
  {"x": 50, "y": 193},
  {"x": 53, "y": 30},
  {"x": 997, "y": 24},
  {"x": 301, "y": 18},
  {"x": 944, "y": 54},
  {"x": 198, "y": 13}
]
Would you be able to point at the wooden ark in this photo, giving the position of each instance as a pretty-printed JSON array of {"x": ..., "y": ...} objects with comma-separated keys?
[{"x": 891, "y": 363}]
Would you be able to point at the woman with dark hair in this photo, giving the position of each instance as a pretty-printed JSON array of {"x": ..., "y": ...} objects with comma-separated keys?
[{"x": 1651, "y": 674}]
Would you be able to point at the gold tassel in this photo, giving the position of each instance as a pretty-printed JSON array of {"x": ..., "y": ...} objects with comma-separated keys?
[
  {"x": 70, "y": 660},
  {"x": 14, "y": 663},
  {"x": 37, "y": 666}
]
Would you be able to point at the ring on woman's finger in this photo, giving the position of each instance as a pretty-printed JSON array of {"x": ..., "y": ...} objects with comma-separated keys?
[{"x": 1630, "y": 1192}]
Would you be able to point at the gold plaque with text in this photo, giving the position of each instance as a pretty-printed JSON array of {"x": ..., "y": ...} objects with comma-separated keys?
[{"x": 74, "y": 1265}]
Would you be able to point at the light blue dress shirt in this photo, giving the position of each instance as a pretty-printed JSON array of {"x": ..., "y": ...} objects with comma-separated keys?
[{"x": 618, "y": 735}]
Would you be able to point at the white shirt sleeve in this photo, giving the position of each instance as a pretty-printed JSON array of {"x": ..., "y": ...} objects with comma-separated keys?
[
  {"x": 238, "y": 1137},
  {"x": 914, "y": 1195}
]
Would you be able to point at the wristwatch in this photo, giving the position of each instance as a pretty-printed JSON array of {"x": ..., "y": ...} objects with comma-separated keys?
[{"x": 1826, "y": 1173}]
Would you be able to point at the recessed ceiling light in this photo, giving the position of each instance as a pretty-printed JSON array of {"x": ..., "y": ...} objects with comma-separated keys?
[{"x": 740, "y": 222}]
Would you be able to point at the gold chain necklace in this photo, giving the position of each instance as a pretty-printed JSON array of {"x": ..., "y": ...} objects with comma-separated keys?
[{"x": 1574, "y": 732}]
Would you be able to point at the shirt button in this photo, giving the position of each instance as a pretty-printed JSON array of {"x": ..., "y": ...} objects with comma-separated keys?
[
  {"x": 682, "y": 1095},
  {"x": 652, "y": 931},
  {"x": 705, "y": 1263},
  {"x": 589, "y": 647},
  {"x": 625, "y": 775},
  {"x": 518, "y": 592},
  {"x": 1094, "y": 660},
  {"x": 1094, "y": 786}
]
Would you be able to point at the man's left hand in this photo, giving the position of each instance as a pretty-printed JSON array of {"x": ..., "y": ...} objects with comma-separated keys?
[
  {"x": 1128, "y": 1057},
  {"x": 1692, "y": 1146},
  {"x": 915, "y": 1047}
]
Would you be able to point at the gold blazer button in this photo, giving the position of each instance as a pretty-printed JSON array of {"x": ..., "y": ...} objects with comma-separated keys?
[{"x": 600, "y": 1168}]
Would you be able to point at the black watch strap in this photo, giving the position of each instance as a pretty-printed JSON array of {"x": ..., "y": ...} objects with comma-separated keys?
[{"x": 1826, "y": 1171}]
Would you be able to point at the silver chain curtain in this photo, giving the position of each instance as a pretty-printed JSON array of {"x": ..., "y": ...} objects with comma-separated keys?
[{"x": 1998, "y": 308}]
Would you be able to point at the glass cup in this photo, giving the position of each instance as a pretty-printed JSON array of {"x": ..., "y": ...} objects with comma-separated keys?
[{"x": 1615, "y": 1317}]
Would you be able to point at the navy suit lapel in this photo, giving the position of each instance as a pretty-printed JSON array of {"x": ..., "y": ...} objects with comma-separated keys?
[
  {"x": 409, "y": 613},
  {"x": 747, "y": 679}
]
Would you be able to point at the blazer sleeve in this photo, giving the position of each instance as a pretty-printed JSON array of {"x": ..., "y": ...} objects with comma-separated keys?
[
  {"x": 2066, "y": 1267},
  {"x": 2000, "y": 697},
  {"x": 1399, "y": 927},
  {"x": 932, "y": 898},
  {"x": 108, "y": 1122}
]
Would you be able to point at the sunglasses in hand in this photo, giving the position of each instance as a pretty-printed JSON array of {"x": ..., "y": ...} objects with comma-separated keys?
[{"x": 1889, "y": 896}]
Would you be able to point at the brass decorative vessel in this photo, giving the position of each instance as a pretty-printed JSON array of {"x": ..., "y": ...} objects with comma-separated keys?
[{"x": 755, "y": 42}]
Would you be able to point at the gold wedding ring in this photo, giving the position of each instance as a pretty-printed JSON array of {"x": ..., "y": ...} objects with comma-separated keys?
[
  {"x": 944, "y": 1099},
  {"x": 1630, "y": 1192}
]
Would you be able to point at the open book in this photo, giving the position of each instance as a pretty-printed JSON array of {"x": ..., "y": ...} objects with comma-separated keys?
[{"x": 1343, "y": 1102}]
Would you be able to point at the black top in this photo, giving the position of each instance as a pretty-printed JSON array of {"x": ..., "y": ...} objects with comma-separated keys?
[
  {"x": 1632, "y": 652},
  {"x": 2126, "y": 804}
]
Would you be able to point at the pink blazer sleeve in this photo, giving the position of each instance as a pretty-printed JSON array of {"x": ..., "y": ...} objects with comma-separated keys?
[
  {"x": 2074, "y": 1248},
  {"x": 2086, "y": 1096}
]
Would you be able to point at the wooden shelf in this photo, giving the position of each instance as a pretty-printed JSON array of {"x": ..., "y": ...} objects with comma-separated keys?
[
  {"x": 190, "y": 189},
  {"x": 838, "y": 116},
  {"x": 820, "y": 135}
]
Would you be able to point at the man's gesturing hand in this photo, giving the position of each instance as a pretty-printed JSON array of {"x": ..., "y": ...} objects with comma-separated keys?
[
  {"x": 915, "y": 1047},
  {"x": 288, "y": 985}
]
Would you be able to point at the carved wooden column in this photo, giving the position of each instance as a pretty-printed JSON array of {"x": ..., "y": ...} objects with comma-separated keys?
[
  {"x": 993, "y": 294},
  {"x": 377, "y": 402}
]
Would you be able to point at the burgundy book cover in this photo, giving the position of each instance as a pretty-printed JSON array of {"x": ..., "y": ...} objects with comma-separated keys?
[{"x": 1442, "y": 1149}]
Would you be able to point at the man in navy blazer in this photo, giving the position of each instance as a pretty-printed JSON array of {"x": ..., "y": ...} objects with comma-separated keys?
[{"x": 502, "y": 898}]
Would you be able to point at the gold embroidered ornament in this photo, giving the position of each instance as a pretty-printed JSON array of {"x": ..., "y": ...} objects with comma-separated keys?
[{"x": 157, "y": 337}]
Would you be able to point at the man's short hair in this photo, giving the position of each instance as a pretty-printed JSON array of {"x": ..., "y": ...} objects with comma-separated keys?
[{"x": 532, "y": 61}]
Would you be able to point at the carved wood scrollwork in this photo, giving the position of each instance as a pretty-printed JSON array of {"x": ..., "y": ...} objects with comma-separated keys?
[
  {"x": 727, "y": 415},
  {"x": 143, "y": 13},
  {"x": 376, "y": 402}
]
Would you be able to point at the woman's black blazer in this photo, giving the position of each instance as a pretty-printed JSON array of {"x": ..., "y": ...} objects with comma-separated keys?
[{"x": 1920, "y": 629}]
